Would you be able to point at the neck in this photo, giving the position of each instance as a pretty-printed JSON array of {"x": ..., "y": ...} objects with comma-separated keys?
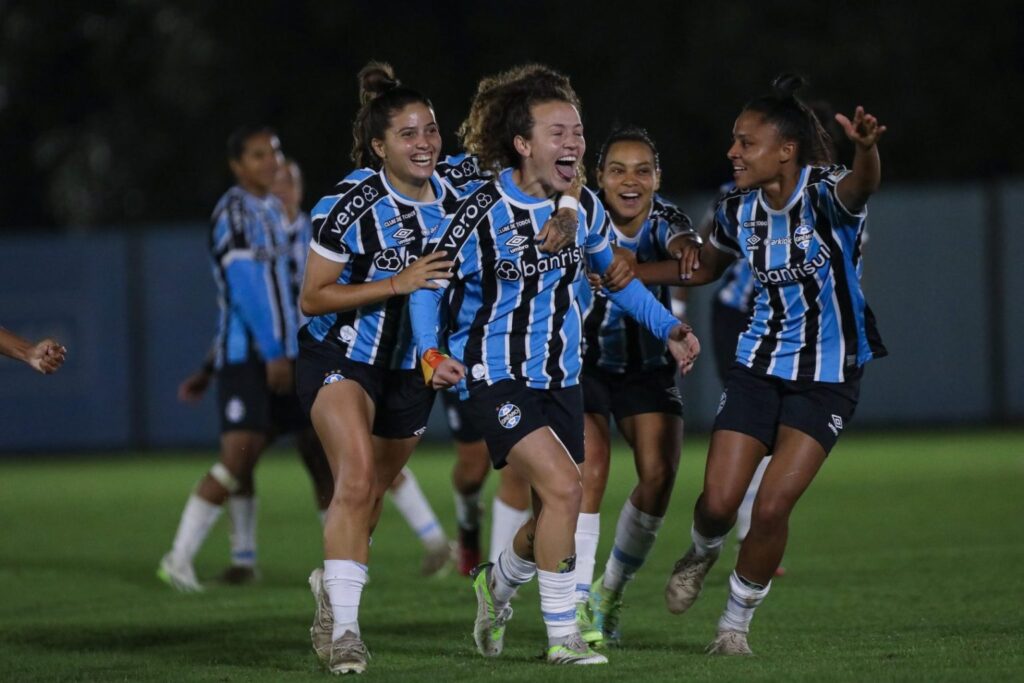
[
  {"x": 416, "y": 189},
  {"x": 254, "y": 190},
  {"x": 777, "y": 192},
  {"x": 529, "y": 183},
  {"x": 630, "y": 227}
]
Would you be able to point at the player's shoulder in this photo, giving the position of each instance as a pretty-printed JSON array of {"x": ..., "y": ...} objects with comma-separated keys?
[
  {"x": 827, "y": 175},
  {"x": 664, "y": 211},
  {"x": 462, "y": 169},
  {"x": 233, "y": 204},
  {"x": 354, "y": 177}
]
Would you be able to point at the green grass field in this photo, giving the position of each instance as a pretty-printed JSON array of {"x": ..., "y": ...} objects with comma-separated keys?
[{"x": 905, "y": 563}]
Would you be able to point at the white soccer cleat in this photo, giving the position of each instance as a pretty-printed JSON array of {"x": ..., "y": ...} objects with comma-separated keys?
[
  {"x": 729, "y": 643},
  {"x": 687, "y": 580},
  {"x": 322, "y": 630},
  {"x": 348, "y": 655},
  {"x": 438, "y": 559},
  {"x": 179, "y": 576}
]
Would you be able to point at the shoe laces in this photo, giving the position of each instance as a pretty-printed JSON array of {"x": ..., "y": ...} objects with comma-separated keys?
[
  {"x": 502, "y": 616},
  {"x": 576, "y": 644},
  {"x": 349, "y": 647}
]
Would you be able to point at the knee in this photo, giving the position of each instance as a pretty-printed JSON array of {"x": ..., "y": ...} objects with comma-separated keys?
[
  {"x": 561, "y": 492},
  {"x": 354, "y": 489},
  {"x": 716, "y": 506},
  {"x": 770, "y": 512},
  {"x": 659, "y": 477}
]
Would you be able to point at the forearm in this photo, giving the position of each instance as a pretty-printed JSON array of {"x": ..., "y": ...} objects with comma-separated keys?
[
  {"x": 863, "y": 180},
  {"x": 424, "y": 314},
  {"x": 334, "y": 297},
  {"x": 13, "y": 346},
  {"x": 641, "y": 305}
]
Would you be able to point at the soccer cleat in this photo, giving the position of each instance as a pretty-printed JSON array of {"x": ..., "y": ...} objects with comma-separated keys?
[
  {"x": 489, "y": 628},
  {"x": 180, "y": 577},
  {"x": 687, "y": 580},
  {"x": 239, "y": 575},
  {"x": 729, "y": 643},
  {"x": 322, "y": 630},
  {"x": 469, "y": 550},
  {"x": 606, "y": 607},
  {"x": 574, "y": 651},
  {"x": 591, "y": 635},
  {"x": 437, "y": 559},
  {"x": 348, "y": 655}
]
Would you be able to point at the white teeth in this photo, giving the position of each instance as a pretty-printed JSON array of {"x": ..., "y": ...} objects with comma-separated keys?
[
  {"x": 568, "y": 159},
  {"x": 631, "y": 195}
]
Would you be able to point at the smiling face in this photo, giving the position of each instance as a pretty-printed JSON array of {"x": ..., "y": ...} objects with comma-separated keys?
[
  {"x": 629, "y": 179},
  {"x": 759, "y": 155},
  {"x": 288, "y": 186},
  {"x": 549, "y": 157},
  {"x": 256, "y": 167},
  {"x": 411, "y": 146}
]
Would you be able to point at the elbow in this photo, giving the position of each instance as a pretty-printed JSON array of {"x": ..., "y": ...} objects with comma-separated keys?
[{"x": 308, "y": 305}]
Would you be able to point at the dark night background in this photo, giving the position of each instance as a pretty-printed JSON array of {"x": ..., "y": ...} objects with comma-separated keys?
[{"x": 116, "y": 113}]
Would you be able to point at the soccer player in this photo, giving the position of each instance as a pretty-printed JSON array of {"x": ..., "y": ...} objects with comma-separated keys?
[
  {"x": 45, "y": 356},
  {"x": 627, "y": 373},
  {"x": 795, "y": 383},
  {"x": 514, "y": 321},
  {"x": 356, "y": 369},
  {"x": 253, "y": 355}
]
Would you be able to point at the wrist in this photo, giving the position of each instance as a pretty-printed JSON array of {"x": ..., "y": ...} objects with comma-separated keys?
[
  {"x": 568, "y": 202},
  {"x": 394, "y": 289}
]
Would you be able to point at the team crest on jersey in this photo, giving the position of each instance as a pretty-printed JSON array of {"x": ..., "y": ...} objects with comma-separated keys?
[
  {"x": 802, "y": 236},
  {"x": 509, "y": 415},
  {"x": 478, "y": 371},
  {"x": 347, "y": 334},
  {"x": 234, "y": 411},
  {"x": 507, "y": 270},
  {"x": 721, "y": 403},
  {"x": 332, "y": 377}
]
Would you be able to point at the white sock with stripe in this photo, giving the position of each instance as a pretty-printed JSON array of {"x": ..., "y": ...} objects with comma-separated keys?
[
  {"x": 558, "y": 604},
  {"x": 416, "y": 510},
  {"x": 508, "y": 574},
  {"x": 242, "y": 511},
  {"x": 744, "y": 597},
  {"x": 588, "y": 532},
  {"x": 635, "y": 534},
  {"x": 505, "y": 522},
  {"x": 344, "y": 581}
]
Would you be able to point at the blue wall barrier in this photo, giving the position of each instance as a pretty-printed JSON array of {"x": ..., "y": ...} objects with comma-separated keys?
[{"x": 137, "y": 311}]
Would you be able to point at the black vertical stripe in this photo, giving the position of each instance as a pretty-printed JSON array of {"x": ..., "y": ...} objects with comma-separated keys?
[
  {"x": 807, "y": 356},
  {"x": 518, "y": 342}
]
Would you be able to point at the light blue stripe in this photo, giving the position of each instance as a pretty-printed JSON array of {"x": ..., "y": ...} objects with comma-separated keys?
[
  {"x": 427, "y": 528},
  {"x": 626, "y": 558},
  {"x": 568, "y": 615}
]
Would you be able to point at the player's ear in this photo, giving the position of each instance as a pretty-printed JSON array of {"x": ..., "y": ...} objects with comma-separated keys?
[
  {"x": 787, "y": 150},
  {"x": 657, "y": 179},
  {"x": 522, "y": 145},
  {"x": 378, "y": 148}
]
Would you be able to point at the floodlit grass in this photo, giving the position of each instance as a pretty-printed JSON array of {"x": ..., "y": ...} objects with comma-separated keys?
[{"x": 904, "y": 564}]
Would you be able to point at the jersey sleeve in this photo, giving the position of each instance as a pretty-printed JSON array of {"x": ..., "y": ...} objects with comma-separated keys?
[
  {"x": 827, "y": 180},
  {"x": 724, "y": 231},
  {"x": 333, "y": 239},
  {"x": 248, "y": 269},
  {"x": 598, "y": 224},
  {"x": 671, "y": 223}
]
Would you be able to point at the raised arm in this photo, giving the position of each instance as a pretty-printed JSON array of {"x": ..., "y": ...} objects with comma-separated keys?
[
  {"x": 44, "y": 356},
  {"x": 866, "y": 175}
]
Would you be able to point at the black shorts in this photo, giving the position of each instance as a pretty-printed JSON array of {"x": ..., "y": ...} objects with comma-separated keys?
[
  {"x": 507, "y": 411},
  {"x": 756, "y": 405},
  {"x": 459, "y": 424},
  {"x": 401, "y": 398},
  {"x": 626, "y": 394},
  {"x": 727, "y": 324},
  {"x": 245, "y": 403}
]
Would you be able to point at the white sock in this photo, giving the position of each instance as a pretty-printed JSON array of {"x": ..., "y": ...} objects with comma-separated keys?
[
  {"x": 467, "y": 510},
  {"x": 505, "y": 522},
  {"x": 508, "y": 574},
  {"x": 706, "y": 545},
  {"x": 747, "y": 506},
  {"x": 634, "y": 537},
  {"x": 197, "y": 519},
  {"x": 242, "y": 511},
  {"x": 739, "y": 608},
  {"x": 344, "y": 581},
  {"x": 558, "y": 604},
  {"x": 418, "y": 514},
  {"x": 588, "y": 530}
]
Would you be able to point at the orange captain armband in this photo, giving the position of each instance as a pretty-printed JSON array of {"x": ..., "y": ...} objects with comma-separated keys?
[{"x": 429, "y": 362}]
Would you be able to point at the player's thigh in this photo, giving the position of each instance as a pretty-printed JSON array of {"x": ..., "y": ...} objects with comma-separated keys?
[{"x": 342, "y": 415}]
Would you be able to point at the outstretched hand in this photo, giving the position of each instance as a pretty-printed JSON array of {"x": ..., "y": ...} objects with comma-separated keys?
[
  {"x": 864, "y": 130},
  {"x": 684, "y": 347}
]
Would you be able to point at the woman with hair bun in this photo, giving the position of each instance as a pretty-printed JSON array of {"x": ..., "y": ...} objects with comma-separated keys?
[
  {"x": 356, "y": 372},
  {"x": 795, "y": 383}
]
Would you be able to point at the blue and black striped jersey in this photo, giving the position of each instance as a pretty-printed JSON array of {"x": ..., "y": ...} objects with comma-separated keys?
[
  {"x": 299, "y": 233},
  {"x": 737, "y": 287},
  {"x": 375, "y": 232},
  {"x": 513, "y": 311},
  {"x": 462, "y": 170},
  {"x": 611, "y": 339},
  {"x": 810, "y": 318},
  {"x": 251, "y": 265}
]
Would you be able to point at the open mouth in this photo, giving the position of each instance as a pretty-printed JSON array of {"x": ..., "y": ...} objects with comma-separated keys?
[
  {"x": 738, "y": 170},
  {"x": 630, "y": 200},
  {"x": 566, "y": 168},
  {"x": 422, "y": 160}
]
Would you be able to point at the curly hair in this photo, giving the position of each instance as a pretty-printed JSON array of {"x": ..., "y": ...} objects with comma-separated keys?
[
  {"x": 381, "y": 96},
  {"x": 500, "y": 111}
]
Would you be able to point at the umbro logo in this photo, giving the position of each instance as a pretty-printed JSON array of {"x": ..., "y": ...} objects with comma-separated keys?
[
  {"x": 835, "y": 425},
  {"x": 753, "y": 241},
  {"x": 517, "y": 240},
  {"x": 403, "y": 233}
]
